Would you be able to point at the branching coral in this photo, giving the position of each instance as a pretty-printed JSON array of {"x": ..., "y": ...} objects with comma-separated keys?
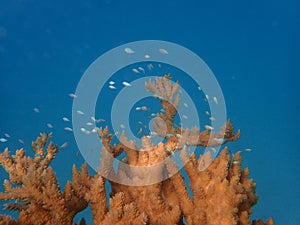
[
  {"x": 34, "y": 186},
  {"x": 221, "y": 194}
]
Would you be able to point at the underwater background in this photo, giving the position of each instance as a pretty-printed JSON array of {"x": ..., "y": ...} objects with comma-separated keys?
[{"x": 252, "y": 48}]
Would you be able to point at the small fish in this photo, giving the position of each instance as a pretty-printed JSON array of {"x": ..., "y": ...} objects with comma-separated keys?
[
  {"x": 7, "y": 135},
  {"x": 140, "y": 131},
  {"x": 157, "y": 96},
  {"x": 128, "y": 51},
  {"x": 126, "y": 84},
  {"x": 3, "y": 140},
  {"x": 199, "y": 88},
  {"x": 124, "y": 159},
  {"x": 147, "y": 56},
  {"x": 144, "y": 108},
  {"x": 141, "y": 69},
  {"x": 214, "y": 150},
  {"x": 185, "y": 105},
  {"x": 85, "y": 130},
  {"x": 169, "y": 135},
  {"x": 163, "y": 51},
  {"x": 207, "y": 127},
  {"x": 49, "y": 125},
  {"x": 89, "y": 124},
  {"x": 159, "y": 65},
  {"x": 138, "y": 108},
  {"x": 71, "y": 95},
  {"x": 64, "y": 145},
  {"x": 36, "y": 110},
  {"x": 184, "y": 116},
  {"x": 112, "y": 87},
  {"x": 207, "y": 113},
  {"x": 153, "y": 114},
  {"x": 162, "y": 110},
  {"x": 219, "y": 140},
  {"x": 122, "y": 126},
  {"x": 169, "y": 150},
  {"x": 97, "y": 120},
  {"x": 135, "y": 70},
  {"x": 150, "y": 66},
  {"x": 215, "y": 100},
  {"x": 68, "y": 129},
  {"x": 65, "y": 119},
  {"x": 212, "y": 118},
  {"x": 179, "y": 135},
  {"x": 95, "y": 130},
  {"x": 236, "y": 162},
  {"x": 21, "y": 141},
  {"x": 111, "y": 82},
  {"x": 207, "y": 97},
  {"x": 80, "y": 112},
  {"x": 248, "y": 150},
  {"x": 153, "y": 133},
  {"x": 140, "y": 122}
]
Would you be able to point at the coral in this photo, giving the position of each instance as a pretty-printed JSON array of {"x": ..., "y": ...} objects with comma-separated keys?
[
  {"x": 222, "y": 193},
  {"x": 34, "y": 187}
]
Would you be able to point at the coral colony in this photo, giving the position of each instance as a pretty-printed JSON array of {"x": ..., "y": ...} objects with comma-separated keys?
[{"x": 221, "y": 194}]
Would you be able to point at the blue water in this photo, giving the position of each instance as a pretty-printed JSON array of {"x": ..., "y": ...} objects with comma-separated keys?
[{"x": 252, "y": 48}]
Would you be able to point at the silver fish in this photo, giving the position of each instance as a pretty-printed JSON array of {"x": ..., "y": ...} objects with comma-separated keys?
[
  {"x": 64, "y": 145},
  {"x": 80, "y": 112},
  {"x": 68, "y": 129},
  {"x": 163, "y": 51},
  {"x": 207, "y": 127},
  {"x": 126, "y": 84},
  {"x": 135, "y": 70},
  {"x": 128, "y": 51},
  {"x": 215, "y": 100},
  {"x": 65, "y": 119},
  {"x": 141, "y": 69},
  {"x": 3, "y": 140},
  {"x": 36, "y": 110},
  {"x": 71, "y": 95}
]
